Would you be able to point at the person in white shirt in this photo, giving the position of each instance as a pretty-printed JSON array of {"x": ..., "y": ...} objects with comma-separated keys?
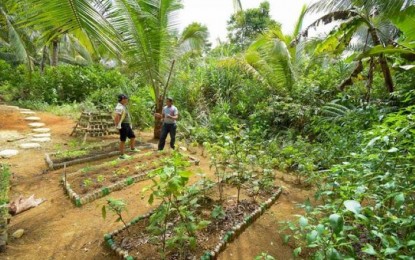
[
  {"x": 122, "y": 121},
  {"x": 169, "y": 116}
]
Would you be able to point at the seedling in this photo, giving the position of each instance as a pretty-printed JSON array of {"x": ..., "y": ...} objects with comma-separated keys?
[
  {"x": 121, "y": 171},
  {"x": 100, "y": 178},
  {"x": 117, "y": 207},
  {"x": 87, "y": 182}
]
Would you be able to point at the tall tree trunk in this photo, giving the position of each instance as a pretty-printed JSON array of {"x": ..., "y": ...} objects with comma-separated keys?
[
  {"x": 370, "y": 79},
  {"x": 43, "y": 62},
  {"x": 159, "y": 103},
  {"x": 55, "y": 52},
  {"x": 383, "y": 62},
  {"x": 158, "y": 123}
]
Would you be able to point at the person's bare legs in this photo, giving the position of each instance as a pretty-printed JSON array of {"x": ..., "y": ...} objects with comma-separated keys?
[
  {"x": 132, "y": 143},
  {"x": 122, "y": 147}
]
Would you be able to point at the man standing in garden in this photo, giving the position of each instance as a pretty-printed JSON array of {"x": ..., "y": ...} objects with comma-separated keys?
[
  {"x": 123, "y": 123},
  {"x": 169, "y": 116}
]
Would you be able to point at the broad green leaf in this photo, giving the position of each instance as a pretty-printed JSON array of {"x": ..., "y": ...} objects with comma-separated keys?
[
  {"x": 393, "y": 150},
  {"x": 368, "y": 249},
  {"x": 185, "y": 174},
  {"x": 334, "y": 254},
  {"x": 353, "y": 206},
  {"x": 297, "y": 251},
  {"x": 336, "y": 223},
  {"x": 151, "y": 199},
  {"x": 411, "y": 243},
  {"x": 303, "y": 221},
  {"x": 312, "y": 236},
  {"x": 320, "y": 228},
  {"x": 390, "y": 251},
  {"x": 379, "y": 49},
  {"x": 104, "y": 212},
  {"x": 399, "y": 199}
]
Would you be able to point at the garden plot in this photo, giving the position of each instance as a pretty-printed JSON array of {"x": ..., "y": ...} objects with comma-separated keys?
[
  {"x": 93, "y": 182},
  {"x": 196, "y": 221},
  {"x": 88, "y": 154}
]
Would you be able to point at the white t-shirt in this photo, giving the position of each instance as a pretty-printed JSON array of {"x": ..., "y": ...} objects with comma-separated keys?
[
  {"x": 170, "y": 111},
  {"x": 119, "y": 109}
]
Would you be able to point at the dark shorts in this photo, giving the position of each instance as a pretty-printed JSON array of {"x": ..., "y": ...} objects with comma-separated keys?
[{"x": 125, "y": 132}]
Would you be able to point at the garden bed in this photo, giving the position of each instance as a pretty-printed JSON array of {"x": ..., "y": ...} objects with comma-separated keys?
[
  {"x": 135, "y": 242},
  {"x": 93, "y": 182},
  {"x": 88, "y": 154}
]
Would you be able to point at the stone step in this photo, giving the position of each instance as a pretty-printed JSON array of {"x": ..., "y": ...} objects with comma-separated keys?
[
  {"x": 41, "y": 140},
  {"x": 41, "y": 135},
  {"x": 8, "y": 153},
  {"x": 24, "y": 109},
  {"x": 32, "y": 118},
  {"x": 27, "y": 112},
  {"x": 35, "y": 125},
  {"x": 29, "y": 146},
  {"x": 41, "y": 130}
]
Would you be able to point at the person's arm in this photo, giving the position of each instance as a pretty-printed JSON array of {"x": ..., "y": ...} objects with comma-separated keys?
[
  {"x": 117, "y": 119},
  {"x": 175, "y": 115}
]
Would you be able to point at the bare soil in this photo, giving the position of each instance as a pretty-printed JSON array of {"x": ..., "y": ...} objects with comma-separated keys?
[{"x": 58, "y": 230}]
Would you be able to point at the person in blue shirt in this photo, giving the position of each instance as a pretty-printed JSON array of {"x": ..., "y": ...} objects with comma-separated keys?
[{"x": 169, "y": 117}]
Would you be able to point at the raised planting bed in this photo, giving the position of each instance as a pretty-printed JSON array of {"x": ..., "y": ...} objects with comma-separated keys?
[
  {"x": 93, "y": 182},
  {"x": 88, "y": 154},
  {"x": 134, "y": 241},
  {"x": 4, "y": 207}
]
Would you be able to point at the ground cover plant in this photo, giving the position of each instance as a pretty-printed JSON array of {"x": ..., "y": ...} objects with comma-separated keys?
[
  {"x": 191, "y": 219},
  {"x": 91, "y": 178}
]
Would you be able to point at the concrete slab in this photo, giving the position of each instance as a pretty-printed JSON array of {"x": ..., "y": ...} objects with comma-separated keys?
[
  {"x": 41, "y": 130},
  {"x": 8, "y": 153},
  {"x": 41, "y": 140},
  {"x": 29, "y": 146},
  {"x": 32, "y": 118},
  {"x": 41, "y": 135},
  {"x": 27, "y": 112},
  {"x": 35, "y": 125}
]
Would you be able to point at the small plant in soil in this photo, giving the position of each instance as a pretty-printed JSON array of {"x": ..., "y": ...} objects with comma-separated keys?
[
  {"x": 218, "y": 213},
  {"x": 218, "y": 160},
  {"x": 264, "y": 256},
  {"x": 101, "y": 178},
  {"x": 86, "y": 169},
  {"x": 114, "y": 163},
  {"x": 120, "y": 172},
  {"x": 87, "y": 182},
  {"x": 117, "y": 207},
  {"x": 71, "y": 154},
  {"x": 175, "y": 221}
]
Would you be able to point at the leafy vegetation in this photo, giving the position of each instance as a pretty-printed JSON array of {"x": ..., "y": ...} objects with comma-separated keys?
[{"x": 335, "y": 111}]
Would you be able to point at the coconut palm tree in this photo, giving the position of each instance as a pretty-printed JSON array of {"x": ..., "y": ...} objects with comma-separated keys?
[
  {"x": 362, "y": 25},
  {"x": 16, "y": 42},
  {"x": 149, "y": 31},
  {"x": 271, "y": 58},
  {"x": 87, "y": 21}
]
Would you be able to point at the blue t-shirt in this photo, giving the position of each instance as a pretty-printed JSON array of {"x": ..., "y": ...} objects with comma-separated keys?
[{"x": 170, "y": 111}]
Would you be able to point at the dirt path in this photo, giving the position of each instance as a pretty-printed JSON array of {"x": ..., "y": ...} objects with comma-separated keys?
[{"x": 58, "y": 230}]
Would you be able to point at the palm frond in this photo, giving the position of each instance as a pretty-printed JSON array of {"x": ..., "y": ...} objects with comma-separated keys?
[
  {"x": 193, "y": 37},
  {"x": 237, "y": 6},
  {"x": 58, "y": 17},
  {"x": 329, "y": 6}
]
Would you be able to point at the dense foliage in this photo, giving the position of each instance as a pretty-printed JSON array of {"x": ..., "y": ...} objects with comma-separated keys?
[{"x": 336, "y": 111}]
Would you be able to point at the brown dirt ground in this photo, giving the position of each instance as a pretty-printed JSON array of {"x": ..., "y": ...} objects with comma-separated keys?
[{"x": 58, "y": 230}]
